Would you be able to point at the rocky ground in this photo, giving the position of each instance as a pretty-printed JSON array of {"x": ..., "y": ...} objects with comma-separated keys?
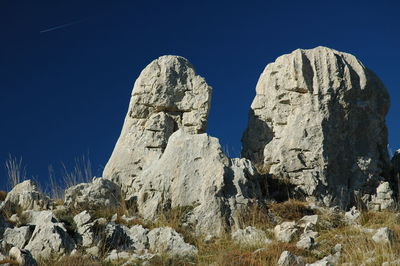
[
  {"x": 315, "y": 184},
  {"x": 36, "y": 230}
]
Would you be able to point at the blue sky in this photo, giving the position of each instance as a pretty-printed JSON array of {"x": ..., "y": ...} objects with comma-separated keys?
[{"x": 65, "y": 91}]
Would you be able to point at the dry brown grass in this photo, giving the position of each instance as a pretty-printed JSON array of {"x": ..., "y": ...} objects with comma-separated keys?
[
  {"x": 3, "y": 195},
  {"x": 9, "y": 262},
  {"x": 291, "y": 210},
  {"x": 73, "y": 260}
]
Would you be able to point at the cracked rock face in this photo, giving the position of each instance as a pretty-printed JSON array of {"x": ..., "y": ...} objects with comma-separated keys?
[
  {"x": 194, "y": 172},
  {"x": 318, "y": 121},
  {"x": 167, "y": 96}
]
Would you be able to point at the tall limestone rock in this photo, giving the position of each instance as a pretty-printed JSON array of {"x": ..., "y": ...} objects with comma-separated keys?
[
  {"x": 318, "y": 121},
  {"x": 167, "y": 96}
]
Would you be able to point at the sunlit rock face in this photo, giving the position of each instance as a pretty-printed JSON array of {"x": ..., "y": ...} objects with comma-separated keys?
[
  {"x": 167, "y": 96},
  {"x": 318, "y": 121}
]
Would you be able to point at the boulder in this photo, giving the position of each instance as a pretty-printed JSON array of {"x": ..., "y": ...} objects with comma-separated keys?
[
  {"x": 22, "y": 256},
  {"x": 194, "y": 172},
  {"x": 167, "y": 240},
  {"x": 306, "y": 242},
  {"x": 18, "y": 237},
  {"x": 318, "y": 122},
  {"x": 50, "y": 237},
  {"x": 384, "y": 235},
  {"x": 82, "y": 218},
  {"x": 168, "y": 95},
  {"x": 286, "y": 231},
  {"x": 308, "y": 221},
  {"x": 352, "y": 215},
  {"x": 289, "y": 259},
  {"x": 26, "y": 196},
  {"x": 99, "y": 194},
  {"x": 138, "y": 237},
  {"x": 383, "y": 199},
  {"x": 250, "y": 236}
]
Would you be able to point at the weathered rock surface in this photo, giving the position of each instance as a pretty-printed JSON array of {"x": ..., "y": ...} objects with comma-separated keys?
[
  {"x": 18, "y": 237},
  {"x": 167, "y": 240},
  {"x": 289, "y": 259},
  {"x": 22, "y": 256},
  {"x": 286, "y": 231},
  {"x": 26, "y": 196},
  {"x": 101, "y": 193},
  {"x": 318, "y": 121},
  {"x": 250, "y": 236},
  {"x": 193, "y": 171},
  {"x": 383, "y": 199},
  {"x": 384, "y": 235},
  {"x": 50, "y": 237},
  {"x": 167, "y": 95}
]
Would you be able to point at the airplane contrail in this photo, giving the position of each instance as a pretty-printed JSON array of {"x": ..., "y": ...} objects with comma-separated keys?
[{"x": 62, "y": 26}]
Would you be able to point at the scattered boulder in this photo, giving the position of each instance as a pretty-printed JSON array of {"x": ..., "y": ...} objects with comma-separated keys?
[
  {"x": 250, "y": 236},
  {"x": 22, "y": 256},
  {"x": 82, "y": 218},
  {"x": 384, "y": 235},
  {"x": 352, "y": 215},
  {"x": 286, "y": 231},
  {"x": 26, "y": 196},
  {"x": 50, "y": 237},
  {"x": 168, "y": 95},
  {"x": 308, "y": 221},
  {"x": 101, "y": 193},
  {"x": 306, "y": 242},
  {"x": 383, "y": 199},
  {"x": 289, "y": 259},
  {"x": 167, "y": 240},
  {"x": 318, "y": 121},
  {"x": 18, "y": 237},
  {"x": 138, "y": 237},
  {"x": 194, "y": 172}
]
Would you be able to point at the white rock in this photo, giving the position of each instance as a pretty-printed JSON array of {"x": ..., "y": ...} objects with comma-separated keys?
[
  {"x": 305, "y": 243},
  {"x": 18, "y": 237},
  {"x": 167, "y": 240},
  {"x": 23, "y": 257},
  {"x": 384, "y": 235},
  {"x": 309, "y": 221},
  {"x": 352, "y": 215},
  {"x": 26, "y": 196},
  {"x": 286, "y": 231},
  {"x": 82, "y": 218},
  {"x": 167, "y": 95},
  {"x": 138, "y": 237},
  {"x": 101, "y": 193},
  {"x": 39, "y": 217},
  {"x": 318, "y": 121},
  {"x": 250, "y": 236},
  {"x": 289, "y": 259},
  {"x": 383, "y": 199},
  {"x": 50, "y": 239},
  {"x": 194, "y": 172},
  {"x": 114, "y": 255}
]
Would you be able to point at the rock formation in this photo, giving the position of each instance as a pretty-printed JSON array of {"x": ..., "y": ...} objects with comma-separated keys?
[
  {"x": 168, "y": 95},
  {"x": 163, "y": 159},
  {"x": 193, "y": 171},
  {"x": 318, "y": 122}
]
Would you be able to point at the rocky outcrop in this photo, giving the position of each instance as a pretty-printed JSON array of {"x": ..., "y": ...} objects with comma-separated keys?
[
  {"x": 396, "y": 164},
  {"x": 101, "y": 193},
  {"x": 26, "y": 196},
  {"x": 167, "y": 96},
  {"x": 50, "y": 237},
  {"x": 194, "y": 172},
  {"x": 318, "y": 122}
]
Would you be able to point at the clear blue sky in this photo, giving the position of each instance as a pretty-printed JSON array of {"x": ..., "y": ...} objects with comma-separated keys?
[{"x": 65, "y": 92}]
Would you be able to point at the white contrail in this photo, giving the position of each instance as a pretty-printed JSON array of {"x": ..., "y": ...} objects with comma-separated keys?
[{"x": 62, "y": 26}]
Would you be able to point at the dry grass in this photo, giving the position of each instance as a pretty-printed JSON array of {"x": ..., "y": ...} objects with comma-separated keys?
[
  {"x": 3, "y": 195},
  {"x": 291, "y": 210},
  {"x": 16, "y": 172},
  {"x": 73, "y": 260}
]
